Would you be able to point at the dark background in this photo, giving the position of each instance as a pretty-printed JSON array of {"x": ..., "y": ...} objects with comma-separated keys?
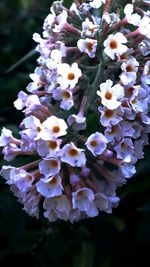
[{"x": 119, "y": 239}]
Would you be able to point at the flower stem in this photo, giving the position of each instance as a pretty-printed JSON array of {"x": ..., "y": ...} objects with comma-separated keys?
[
  {"x": 106, "y": 6},
  {"x": 97, "y": 78}
]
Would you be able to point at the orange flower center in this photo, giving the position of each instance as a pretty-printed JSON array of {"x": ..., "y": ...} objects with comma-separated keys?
[
  {"x": 73, "y": 152},
  {"x": 53, "y": 163},
  {"x": 53, "y": 181},
  {"x": 113, "y": 44},
  {"x": 29, "y": 178},
  {"x": 56, "y": 129},
  {"x": 38, "y": 129},
  {"x": 91, "y": 30},
  {"x": 66, "y": 95},
  {"x": 129, "y": 68},
  {"x": 89, "y": 46},
  {"x": 80, "y": 193},
  {"x": 52, "y": 144},
  {"x": 71, "y": 76},
  {"x": 93, "y": 143},
  {"x": 108, "y": 95}
]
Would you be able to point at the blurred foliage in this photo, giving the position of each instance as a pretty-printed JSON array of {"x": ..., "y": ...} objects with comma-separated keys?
[{"x": 119, "y": 239}]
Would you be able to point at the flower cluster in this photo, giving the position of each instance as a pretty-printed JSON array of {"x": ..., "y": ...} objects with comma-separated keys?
[{"x": 86, "y": 111}]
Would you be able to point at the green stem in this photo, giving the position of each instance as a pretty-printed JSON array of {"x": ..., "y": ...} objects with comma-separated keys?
[
  {"x": 91, "y": 93},
  {"x": 97, "y": 77},
  {"x": 89, "y": 67}
]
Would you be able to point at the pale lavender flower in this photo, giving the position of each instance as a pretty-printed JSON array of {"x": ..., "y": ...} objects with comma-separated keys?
[{"x": 50, "y": 187}]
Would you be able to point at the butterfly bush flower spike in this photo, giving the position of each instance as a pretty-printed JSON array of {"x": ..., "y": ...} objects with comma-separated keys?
[{"x": 86, "y": 111}]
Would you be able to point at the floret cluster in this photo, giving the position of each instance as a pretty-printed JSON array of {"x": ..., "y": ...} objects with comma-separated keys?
[{"x": 86, "y": 110}]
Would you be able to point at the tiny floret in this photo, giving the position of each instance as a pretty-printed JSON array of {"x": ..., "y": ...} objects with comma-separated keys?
[
  {"x": 96, "y": 143},
  {"x": 53, "y": 127},
  {"x": 87, "y": 46},
  {"x": 114, "y": 45},
  {"x": 111, "y": 95},
  {"x": 68, "y": 75}
]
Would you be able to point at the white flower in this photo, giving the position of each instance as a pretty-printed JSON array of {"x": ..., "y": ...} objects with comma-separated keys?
[
  {"x": 82, "y": 199},
  {"x": 132, "y": 18},
  {"x": 21, "y": 100},
  {"x": 130, "y": 65},
  {"x": 32, "y": 103},
  {"x": 113, "y": 45},
  {"x": 124, "y": 149},
  {"x": 74, "y": 9},
  {"x": 138, "y": 100},
  {"x": 88, "y": 28},
  {"x": 111, "y": 18},
  {"x": 50, "y": 187},
  {"x": 5, "y": 171},
  {"x": 65, "y": 95},
  {"x": 97, "y": 3},
  {"x": 56, "y": 55},
  {"x": 57, "y": 208},
  {"x": 146, "y": 73},
  {"x": 110, "y": 117},
  {"x": 101, "y": 201},
  {"x": 55, "y": 23},
  {"x": 127, "y": 169},
  {"x": 129, "y": 70},
  {"x": 49, "y": 167},
  {"x": 48, "y": 148},
  {"x": 110, "y": 96},
  {"x": 78, "y": 121},
  {"x": 96, "y": 143},
  {"x": 73, "y": 155},
  {"x": 113, "y": 132},
  {"x": 92, "y": 211},
  {"x": 33, "y": 126},
  {"x": 37, "y": 82},
  {"x": 5, "y": 137},
  {"x": 30, "y": 200},
  {"x": 144, "y": 26},
  {"x": 53, "y": 127},
  {"x": 60, "y": 20},
  {"x": 69, "y": 75},
  {"x": 144, "y": 47},
  {"x": 22, "y": 179},
  {"x": 54, "y": 59},
  {"x": 87, "y": 46}
]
